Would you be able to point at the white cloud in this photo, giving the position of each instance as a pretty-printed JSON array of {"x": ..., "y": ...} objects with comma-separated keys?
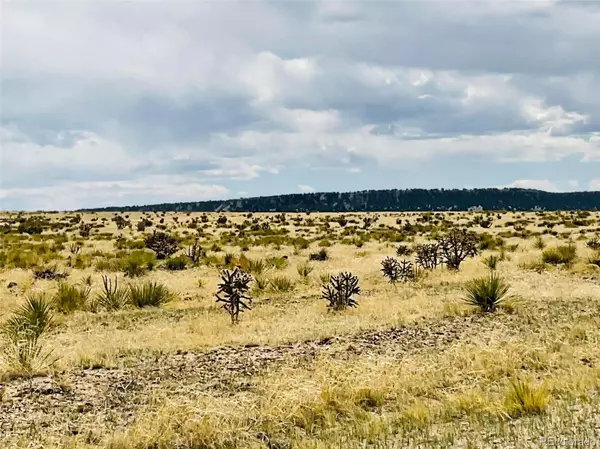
[
  {"x": 594, "y": 185},
  {"x": 538, "y": 184},
  {"x": 305, "y": 189},
  {"x": 73, "y": 195}
]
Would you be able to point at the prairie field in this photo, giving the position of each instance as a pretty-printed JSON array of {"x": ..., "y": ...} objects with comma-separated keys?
[{"x": 383, "y": 330}]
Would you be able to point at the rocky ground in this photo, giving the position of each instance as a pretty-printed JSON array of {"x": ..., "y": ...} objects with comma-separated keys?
[{"x": 66, "y": 403}]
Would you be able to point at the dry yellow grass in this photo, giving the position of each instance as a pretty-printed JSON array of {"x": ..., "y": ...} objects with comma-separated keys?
[{"x": 292, "y": 374}]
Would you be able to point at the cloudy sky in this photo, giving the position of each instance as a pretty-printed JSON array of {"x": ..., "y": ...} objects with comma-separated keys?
[{"x": 114, "y": 103}]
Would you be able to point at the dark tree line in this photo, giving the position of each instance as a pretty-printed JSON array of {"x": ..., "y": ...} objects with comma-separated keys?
[{"x": 389, "y": 200}]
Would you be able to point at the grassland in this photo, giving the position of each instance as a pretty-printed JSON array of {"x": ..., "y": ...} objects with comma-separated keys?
[{"x": 413, "y": 365}]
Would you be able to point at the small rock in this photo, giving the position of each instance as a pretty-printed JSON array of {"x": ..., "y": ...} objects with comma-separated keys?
[{"x": 11, "y": 285}]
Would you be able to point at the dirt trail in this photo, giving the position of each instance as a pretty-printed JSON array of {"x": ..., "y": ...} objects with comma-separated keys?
[{"x": 62, "y": 406}]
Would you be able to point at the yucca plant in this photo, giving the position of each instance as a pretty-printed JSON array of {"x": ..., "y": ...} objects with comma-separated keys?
[
  {"x": 304, "y": 270},
  {"x": 539, "y": 242},
  {"x": 149, "y": 294},
  {"x": 491, "y": 261},
  {"x": 70, "y": 298},
  {"x": 261, "y": 282},
  {"x": 31, "y": 320},
  {"x": 23, "y": 349},
  {"x": 487, "y": 293},
  {"x": 256, "y": 267},
  {"x": 27, "y": 356},
  {"x": 112, "y": 297}
]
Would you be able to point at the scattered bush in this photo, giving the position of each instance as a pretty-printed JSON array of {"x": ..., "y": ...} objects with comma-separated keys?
[
  {"x": 322, "y": 255},
  {"x": 138, "y": 263},
  {"x": 539, "y": 242},
  {"x": 176, "y": 263},
  {"x": 304, "y": 270},
  {"x": 50, "y": 273},
  {"x": 163, "y": 244},
  {"x": 594, "y": 244}
]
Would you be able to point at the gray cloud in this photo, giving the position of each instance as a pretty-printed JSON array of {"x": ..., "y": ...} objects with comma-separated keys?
[{"x": 230, "y": 91}]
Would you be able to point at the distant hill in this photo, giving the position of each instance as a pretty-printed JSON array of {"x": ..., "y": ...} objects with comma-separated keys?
[{"x": 388, "y": 200}]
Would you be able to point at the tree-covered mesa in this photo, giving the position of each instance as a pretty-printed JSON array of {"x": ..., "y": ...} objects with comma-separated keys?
[{"x": 390, "y": 200}]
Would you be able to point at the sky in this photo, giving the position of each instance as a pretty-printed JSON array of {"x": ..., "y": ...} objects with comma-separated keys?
[{"x": 105, "y": 102}]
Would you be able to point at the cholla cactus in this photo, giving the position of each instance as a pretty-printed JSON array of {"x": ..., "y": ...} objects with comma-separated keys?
[
  {"x": 390, "y": 269},
  {"x": 428, "y": 255},
  {"x": 395, "y": 270},
  {"x": 456, "y": 246},
  {"x": 340, "y": 291},
  {"x": 163, "y": 244},
  {"x": 234, "y": 286}
]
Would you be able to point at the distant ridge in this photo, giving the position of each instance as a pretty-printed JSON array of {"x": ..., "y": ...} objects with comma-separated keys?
[{"x": 387, "y": 200}]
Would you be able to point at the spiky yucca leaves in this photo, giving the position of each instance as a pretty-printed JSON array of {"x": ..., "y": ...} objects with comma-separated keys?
[
  {"x": 149, "y": 294},
  {"x": 390, "y": 269},
  {"x": 456, "y": 246},
  {"x": 491, "y": 261},
  {"x": 340, "y": 291},
  {"x": 304, "y": 270},
  {"x": 31, "y": 320},
  {"x": 23, "y": 349},
  {"x": 70, "y": 298},
  {"x": 112, "y": 297},
  {"x": 487, "y": 293},
  {"x": 232, "y": 292}
]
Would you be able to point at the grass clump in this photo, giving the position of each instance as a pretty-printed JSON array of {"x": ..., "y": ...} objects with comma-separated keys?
[
  {"x": 70, "y": 298},
  {"x": 524, "y": 399},
  {"x": 149, "y": 294},
  {"x": 281, "y": 284},
  {"x": 487, "y": 293},
  {"x": 560, "y": 255}
]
